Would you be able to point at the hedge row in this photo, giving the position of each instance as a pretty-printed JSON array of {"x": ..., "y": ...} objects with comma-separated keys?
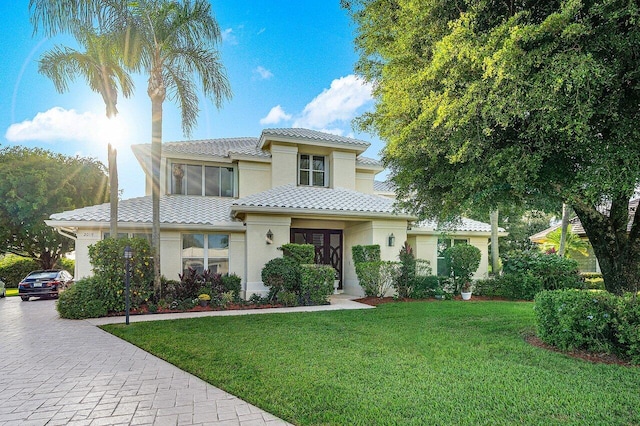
[
  {"x": 14, "y": 268},
  {"x": 593, "y": 320}
]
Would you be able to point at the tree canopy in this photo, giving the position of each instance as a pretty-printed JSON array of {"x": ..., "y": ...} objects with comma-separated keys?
[
  {"x": 35, "y": 184},
  {"x": 483, "y": 102}
]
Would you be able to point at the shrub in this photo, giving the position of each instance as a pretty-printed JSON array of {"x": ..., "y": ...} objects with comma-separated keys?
[
  {"x": 423, "y": 287},
  {"x": 628, "y": 328},
  {"x": 572, "y": 319},
  {"x": 407, "y": 272},
  {"x": 377, "y": 278},
  {"x": 189, "y": 285},
  {"x": 82, "y": 300},
  {"x": 14, "y": 268},
  {"x": 361, "y": 254},
  {"x": 281, "y": 274},
  {"x": 109, "y": 268},
  {"x": 555, "y": 272},
  {"x": 463, "y": 260},
  {"x": 316, "y": 284},
  {"x": 232, "y": 283},
  {"x": 302, "y": 253},
  {"x": 521, "y": 286}
]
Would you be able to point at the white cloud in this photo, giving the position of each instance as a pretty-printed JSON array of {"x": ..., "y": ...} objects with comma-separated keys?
[
  {"x": 229, "y": 37},
  {"x": 59, "y": 124},
  {"x": 263, "y": 73},
  {"x": 336, "y": 105},
  {"x": 275, "y": 116}
]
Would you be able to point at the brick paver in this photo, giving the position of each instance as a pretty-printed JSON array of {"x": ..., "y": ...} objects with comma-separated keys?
[{"x": 65, "y": 372}]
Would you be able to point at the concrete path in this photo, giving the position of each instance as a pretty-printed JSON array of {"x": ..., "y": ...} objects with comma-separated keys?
[{"x": 69, "y": 372}]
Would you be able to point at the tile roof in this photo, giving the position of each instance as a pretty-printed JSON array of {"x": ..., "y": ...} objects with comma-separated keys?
[
  {"x": 323, "y": 200},
  {"x": 383, "y": 186},
  {"x": 463, "y": 225},
  {"x": 367, "y": 161},
  {"x": 174, "y": 209},
  {"x": 223, "y": 147},
  {"x": 314, "y": 135}
]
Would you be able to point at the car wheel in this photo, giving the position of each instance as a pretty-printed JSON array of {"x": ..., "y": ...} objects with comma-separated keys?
[{"x": 24, "y": 298}]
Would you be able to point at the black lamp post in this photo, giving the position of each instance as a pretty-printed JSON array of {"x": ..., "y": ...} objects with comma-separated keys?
[{"x": 128, "y": 254}]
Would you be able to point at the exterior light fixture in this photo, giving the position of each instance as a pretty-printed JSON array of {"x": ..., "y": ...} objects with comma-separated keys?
[
  {"x": 269, "y": 237},
  {"x": 392, "y": 240}
]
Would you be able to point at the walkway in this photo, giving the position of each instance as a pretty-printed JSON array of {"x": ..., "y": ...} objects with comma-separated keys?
[{"x": 65, "y": 372}]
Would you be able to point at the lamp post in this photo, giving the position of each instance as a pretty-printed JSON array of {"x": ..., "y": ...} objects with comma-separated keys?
[{"x": 128, "y": 254}]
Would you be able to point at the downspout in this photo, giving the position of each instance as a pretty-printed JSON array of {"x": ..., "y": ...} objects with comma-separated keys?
[{"x": 66, "y": 232}]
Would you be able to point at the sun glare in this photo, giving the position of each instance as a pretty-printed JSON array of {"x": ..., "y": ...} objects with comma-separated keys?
[{"x": 112, "y": 131}]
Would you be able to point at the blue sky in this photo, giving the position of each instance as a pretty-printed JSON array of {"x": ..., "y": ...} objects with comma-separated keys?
[{"x": 289, "y": 63}]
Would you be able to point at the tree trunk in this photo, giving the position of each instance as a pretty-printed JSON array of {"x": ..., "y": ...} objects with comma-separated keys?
[
  {"x": 495, "y": 255},
  {"x": 156, "y": 155},
  {"x": 616, "y": 249},
  {"x": 563, "y": 230},
  {"x": 113, "y": 191}
]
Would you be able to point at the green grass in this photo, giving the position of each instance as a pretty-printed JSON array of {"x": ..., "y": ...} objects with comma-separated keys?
[
  {"x": 12, "y": 292},
  {"x": 402, "y": 363}
]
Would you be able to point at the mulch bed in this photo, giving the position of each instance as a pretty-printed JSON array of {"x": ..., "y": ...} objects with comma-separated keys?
[
  {"x": 144, "y": 310},
  {"x": 531, "y": 339}
]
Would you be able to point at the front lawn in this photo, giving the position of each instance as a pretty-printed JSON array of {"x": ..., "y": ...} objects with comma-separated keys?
[{"x": 401, "y": 363}]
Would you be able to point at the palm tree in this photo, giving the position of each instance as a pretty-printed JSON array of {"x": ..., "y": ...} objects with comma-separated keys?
[
  {"x": 101, "y": 66},
  {"x": 174, "y": 42},
  {"x": 574, "y": 245}
]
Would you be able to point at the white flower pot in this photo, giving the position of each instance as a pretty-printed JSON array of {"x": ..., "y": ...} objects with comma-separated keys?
[{"x": 466, "y": 296}]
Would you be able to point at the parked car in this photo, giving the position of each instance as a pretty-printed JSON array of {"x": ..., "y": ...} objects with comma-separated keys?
[
  {"x": 3, "y": 288},
  {"x": 45, "y": 283}
]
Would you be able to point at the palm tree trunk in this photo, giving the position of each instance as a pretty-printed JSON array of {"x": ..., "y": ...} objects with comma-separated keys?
[
  {"x": 113, "y": 191},
  {"x": 563, "y": 233},
  {"x": 495, "y": 254},
  {"x": 156, "y": 154}
]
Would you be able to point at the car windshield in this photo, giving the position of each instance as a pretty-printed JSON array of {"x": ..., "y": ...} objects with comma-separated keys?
[{"x": 42, "y": 275}]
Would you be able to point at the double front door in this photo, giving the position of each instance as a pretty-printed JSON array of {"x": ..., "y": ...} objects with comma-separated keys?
[{"x": 328, "y": 245}]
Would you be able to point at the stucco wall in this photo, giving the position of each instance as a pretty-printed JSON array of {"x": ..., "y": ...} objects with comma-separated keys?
[
  {"x": 253, "y": 177},
  {"x": 284, "y": 164},
  {"x": 342, "y": 171},
  {"x": 364, "y": 182}
]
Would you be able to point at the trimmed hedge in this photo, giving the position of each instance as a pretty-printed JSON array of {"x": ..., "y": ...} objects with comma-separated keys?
[
  {"x": 316, "y": 284},
  {"x": 597, "y": 321},
  {"x": 555, "y": 272},
  {"x": 82, "y": 300},
  {"x": 512, "y": 286},
  {"x": 14, "y": 268},
  {"x": 281, "y": 274},
  {"x": 304, "y": 254},
  {"x": 361, "y": 254},
  {"x": 424, "y": 287}
]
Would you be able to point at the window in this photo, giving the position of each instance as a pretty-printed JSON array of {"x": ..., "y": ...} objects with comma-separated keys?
[
  {"x": 312, "y": 170},
  {"x": 211, "y": 250},
  {"x": 147, "y": 237},
  {"x": 197, "y": 179},
  {"x": 443, "y": 244}
]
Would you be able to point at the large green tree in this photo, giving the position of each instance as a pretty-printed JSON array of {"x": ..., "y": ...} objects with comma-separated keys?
[
  {"x": 173, "y": 42},
  {"x": 35, "y": 183},
  {"x": 487, "y": 101}
]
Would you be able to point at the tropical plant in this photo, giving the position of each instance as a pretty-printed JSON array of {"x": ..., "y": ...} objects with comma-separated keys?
[
  {"x": 574, "y": 245},
  {"x": 172, "y": 41},
  {"x": 101, "y": 67}
]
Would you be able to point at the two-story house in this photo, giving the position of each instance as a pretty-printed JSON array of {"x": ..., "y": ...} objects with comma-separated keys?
[{"x": 228, "y": 204}]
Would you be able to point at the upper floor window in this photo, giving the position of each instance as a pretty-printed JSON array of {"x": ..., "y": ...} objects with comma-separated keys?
[
  {"x": 197, "y": 179},
  {"x": 312, "y": 170}
]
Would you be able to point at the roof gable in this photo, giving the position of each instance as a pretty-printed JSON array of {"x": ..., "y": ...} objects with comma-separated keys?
[{"x": 311, "y": 137}]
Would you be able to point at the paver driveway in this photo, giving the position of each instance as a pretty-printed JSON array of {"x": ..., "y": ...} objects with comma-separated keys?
[{"x": 58, "y": 372}]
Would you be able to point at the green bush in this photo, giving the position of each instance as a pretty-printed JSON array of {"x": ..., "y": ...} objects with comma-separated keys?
[
  {"x": 316, "y": 284},
  {"x": 628, "y": 328},
  {"x": 107, "y": 259},
  {"x": 14, "y": 268},
  {"x": 82, "y": 300},
  {"x": 302, "y": 253},
  {"x": 232, "y": 283},
  {"x": 377, "y": 278},
  {"x": 575, "y": 319},
  {"x": 281, "y": 274},
  {"x": 521, "y": 286},
  {"x": 361, "y": 254},
  {"x": 463, "y": 260},
  {"x": 68, "y": 265},
  {"x": 424, "y": 287},
  {"x": 555, "y": 272}
]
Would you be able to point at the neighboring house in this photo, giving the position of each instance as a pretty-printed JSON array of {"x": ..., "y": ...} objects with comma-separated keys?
[
  {"x": 587, "y": 263},
  {"x": 228, "y": 204}
]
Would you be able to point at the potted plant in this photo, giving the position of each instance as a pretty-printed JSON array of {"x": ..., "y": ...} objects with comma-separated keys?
[
  {"x": 463, "y": 261},
  {"x": 204, "y": 299}
]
